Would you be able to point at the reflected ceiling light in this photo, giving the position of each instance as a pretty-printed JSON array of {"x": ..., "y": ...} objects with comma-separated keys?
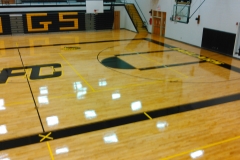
[
  {"x": 196, "y": 154},
  {"x": 43, "y": 90},
  {"x": 62, "y": 150},
  {"x": 90, "y": 114},
  {"x": 1, "y": 102},
  {"x": 3, "y": 129},
  {"x": 110, "y": 138},
  {"x": 4, "y": 156},
  {"x": 137, "y": 105},
  {"x": 77, "y": 85},
  {"x": 81, "y": 92},
  {"x": 162, "y": 125},
  {"x": 51, "y": 121},
  {"x": 102, "y": 82},
  {"x": 116, "y": 95},
  {"x": 2, "y": 108},
  {"x": 43, "y": 100}
]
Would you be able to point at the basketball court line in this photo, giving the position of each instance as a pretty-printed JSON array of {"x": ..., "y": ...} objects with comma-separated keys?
[
  {"x": 165, "y": 66},
  {"x": 79, "y": 75},
  {"x": 71, "y": 131},
  {"x": 201, "y": 148},
  {"x": 130, "y": 119},
  {"x": 224, "y": 65},
  {"x": 30, "y": 88},
  {"x": 171, "y": 65},
  {"x": 148, "y": 52},
  {"x": 50, "y": 151},
  {"x": 60, "y": 44}
]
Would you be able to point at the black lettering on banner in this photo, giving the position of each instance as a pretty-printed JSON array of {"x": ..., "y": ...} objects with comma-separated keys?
[{"x": 35, "y": 73}]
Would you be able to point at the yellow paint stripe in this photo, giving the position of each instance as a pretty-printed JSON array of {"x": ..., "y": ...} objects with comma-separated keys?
[
  {"x": 201, "y": 148},
  {"x": 77, "y": 72},
  {"x": 147, "y": 115},
  {"x": 176, "y": 71},
  {"x": 130, "y": 85},
  {"x": 50, "y": 151},
  {"x": 16, "y": 44},
  {"x": 17, "y": 103}
]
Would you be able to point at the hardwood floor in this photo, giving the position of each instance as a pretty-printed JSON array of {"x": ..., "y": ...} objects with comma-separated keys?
[{"x": 116, "y": 95}]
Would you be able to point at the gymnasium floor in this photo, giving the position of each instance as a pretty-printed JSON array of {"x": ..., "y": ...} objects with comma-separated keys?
[{"x": 116, "y": 95}]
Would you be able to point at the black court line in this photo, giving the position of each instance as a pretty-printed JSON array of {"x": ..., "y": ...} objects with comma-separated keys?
[
  {"x": 149, "y": 52},
  {"x": 60, "y": 44},
  {"x": 77, "y": 130},
  {"x": 223, "y": 65},
  {"x": 170, "y": 65},
  {"x": 30, "y": 88},
  {"x": 67, "y": 132}
]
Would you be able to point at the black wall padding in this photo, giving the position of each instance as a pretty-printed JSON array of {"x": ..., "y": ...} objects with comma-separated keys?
[
  {"x": 35, "y": 1},
  {"x": 55, "y": 26},
  {"x": 104, "y": 20},
  {"x": 103, "y": 0},
  {"x": 6, "y": 26},
  {"x": 109, "y": 0},
  {"x": 222, "y": 42}
]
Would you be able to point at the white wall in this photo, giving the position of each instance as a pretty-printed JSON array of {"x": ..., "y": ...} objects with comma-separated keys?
[
  {"x": 125, "y": 21},
  {"x": 220, "y": 15}
]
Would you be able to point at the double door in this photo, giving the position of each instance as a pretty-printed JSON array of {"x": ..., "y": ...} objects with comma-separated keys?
[{"x": 159, "y": 22}]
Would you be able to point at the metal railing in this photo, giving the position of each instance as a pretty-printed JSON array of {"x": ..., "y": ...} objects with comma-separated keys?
[
  {"x": 145, "y": 23},
  {"x": 141, "y": 13}
]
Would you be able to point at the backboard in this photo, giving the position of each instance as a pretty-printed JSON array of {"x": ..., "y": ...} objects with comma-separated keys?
[
  {"x": 94, "y": 6},
  {"x": 181, "y": 13},
  {"x": 183, "y": 1}
]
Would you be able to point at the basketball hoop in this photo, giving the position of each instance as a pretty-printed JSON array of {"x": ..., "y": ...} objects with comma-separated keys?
[
  {"x": 177, "y": 18},
  {"x": 95, "y": 11}
]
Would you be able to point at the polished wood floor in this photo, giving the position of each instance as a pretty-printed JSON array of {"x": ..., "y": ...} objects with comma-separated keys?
[{"x": 92, "y": 88}]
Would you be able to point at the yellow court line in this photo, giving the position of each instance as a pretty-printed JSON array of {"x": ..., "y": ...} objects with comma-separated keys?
[
  {"x": 50, "y": 151},
  {"x": 77, "y": 72},
  {"x": 101, "y": 90},
  {"x": 15, "y": 103},
  {"x": 45, "y": 137},
  {"x": 16, "y": 44},
  {"x": 200, "y": 148},
  {"x": 147, "y": 115},
  {"x": 150, "y": 59},
  {"x": 130, "y": 85},
  {"x": 176, "y": 71}
]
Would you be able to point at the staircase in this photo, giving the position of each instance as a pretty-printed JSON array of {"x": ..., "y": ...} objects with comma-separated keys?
[{"x": 132, "y": 11}]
